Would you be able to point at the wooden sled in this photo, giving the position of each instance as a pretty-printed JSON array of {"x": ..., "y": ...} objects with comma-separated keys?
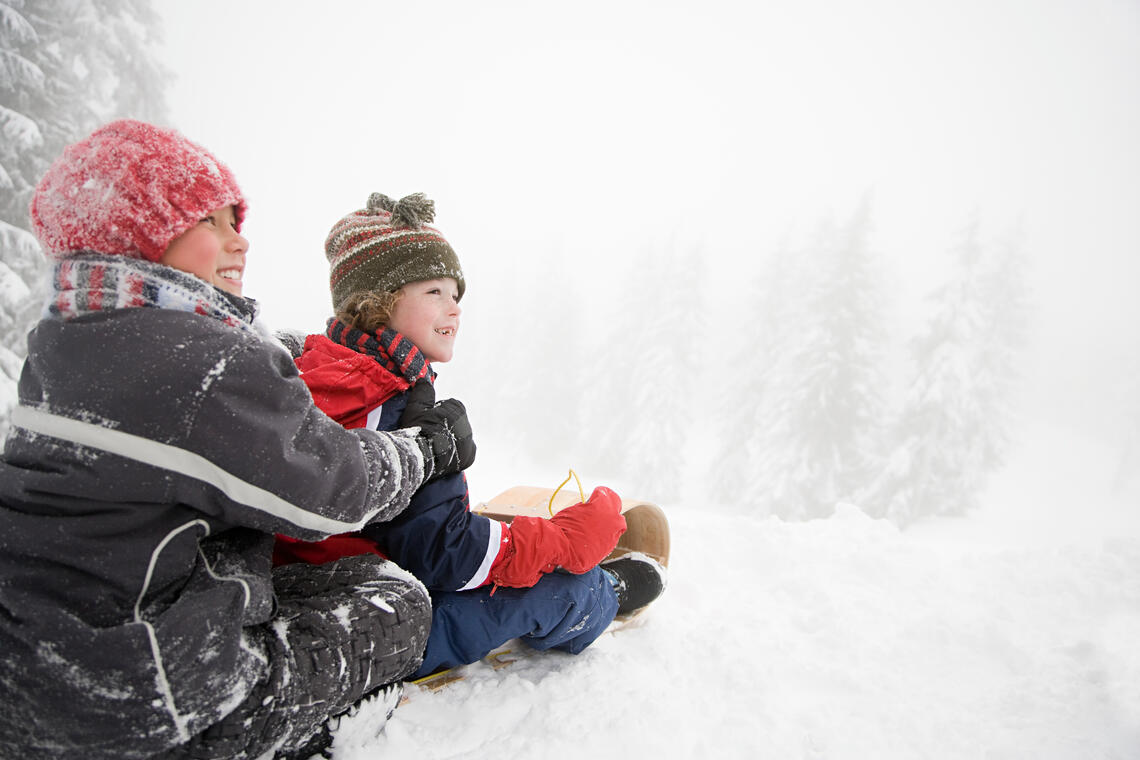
[
  {"x": 647, "y": 528},
  {"x": 647, "y": 531}
]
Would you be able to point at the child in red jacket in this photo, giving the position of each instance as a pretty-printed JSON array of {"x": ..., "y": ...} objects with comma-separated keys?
[{"x": 396, "y": 286}]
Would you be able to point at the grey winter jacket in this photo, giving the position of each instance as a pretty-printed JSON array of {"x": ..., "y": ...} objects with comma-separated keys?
[{"x": 152, "y": 456}]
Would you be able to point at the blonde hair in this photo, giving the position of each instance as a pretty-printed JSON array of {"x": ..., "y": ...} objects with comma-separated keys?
[{"x": 370, "y": 310}]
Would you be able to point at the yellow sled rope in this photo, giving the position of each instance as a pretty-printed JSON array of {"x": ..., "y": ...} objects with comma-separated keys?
[{"x": 581, "y": 493}]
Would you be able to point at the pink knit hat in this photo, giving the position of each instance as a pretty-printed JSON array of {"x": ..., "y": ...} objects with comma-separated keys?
[{"x": 130, "y": 188}]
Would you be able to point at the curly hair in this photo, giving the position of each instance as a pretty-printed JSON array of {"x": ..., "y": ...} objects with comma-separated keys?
[{"x": 368, "y": 311}]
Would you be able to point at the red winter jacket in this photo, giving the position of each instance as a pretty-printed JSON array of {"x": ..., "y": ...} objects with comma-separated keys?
[{"x": 439, "y": 540}]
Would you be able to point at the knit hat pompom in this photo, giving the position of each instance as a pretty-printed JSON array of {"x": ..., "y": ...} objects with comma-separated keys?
[
  {"x": 129, "y": 188},
  {"x": 386, "y": 245},
  {"x": 410, "y": 211}
]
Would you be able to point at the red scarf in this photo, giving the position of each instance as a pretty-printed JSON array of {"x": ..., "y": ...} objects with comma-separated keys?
[{"x": 392, "y": 350}]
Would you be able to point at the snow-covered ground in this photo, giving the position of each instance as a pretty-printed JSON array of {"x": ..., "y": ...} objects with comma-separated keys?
[{"x": 1010, "y": 634}]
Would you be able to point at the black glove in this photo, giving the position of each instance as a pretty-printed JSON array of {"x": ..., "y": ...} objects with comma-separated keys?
[
  {"x": 292, "y": 340},
  {"x": 445, "y": 435}
]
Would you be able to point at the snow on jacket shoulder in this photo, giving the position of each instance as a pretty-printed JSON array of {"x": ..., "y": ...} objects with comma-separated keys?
[
  {"x": 437, "y": 538},
  {"x": 153, "y": 454}
]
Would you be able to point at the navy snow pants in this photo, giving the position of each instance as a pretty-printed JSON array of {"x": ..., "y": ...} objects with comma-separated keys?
[{"x": 562, "y": 611}]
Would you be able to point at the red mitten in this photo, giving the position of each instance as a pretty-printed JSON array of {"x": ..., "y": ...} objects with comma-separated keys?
[
  {"x": 591, "y": 529},
  {"x": 577, "y": 538}
]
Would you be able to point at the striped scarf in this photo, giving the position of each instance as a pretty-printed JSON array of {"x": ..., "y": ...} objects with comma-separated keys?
[
  {"x": 391, "y": 349},
  {"x": 89, "y": 282}
]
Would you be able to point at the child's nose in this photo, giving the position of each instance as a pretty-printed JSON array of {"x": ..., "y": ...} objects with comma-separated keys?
[{"x": 238, "y": 244}]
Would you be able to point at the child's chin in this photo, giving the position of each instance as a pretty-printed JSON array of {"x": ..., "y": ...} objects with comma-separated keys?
[{"x": 234, "y": 289}]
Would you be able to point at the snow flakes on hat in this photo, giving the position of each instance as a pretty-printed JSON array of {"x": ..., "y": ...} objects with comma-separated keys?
[{"x": 130, "y": 188}]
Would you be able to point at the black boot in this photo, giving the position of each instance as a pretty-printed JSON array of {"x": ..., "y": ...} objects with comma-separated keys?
[{"x": 637, "y": 580}]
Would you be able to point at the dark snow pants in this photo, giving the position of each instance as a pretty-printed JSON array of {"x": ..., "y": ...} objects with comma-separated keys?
[
  {"x": 562, "y": 611},
  {"x": 342, "y": 630}
]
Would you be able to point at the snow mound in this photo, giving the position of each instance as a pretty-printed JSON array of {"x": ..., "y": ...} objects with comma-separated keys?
[{"x": 837, "y": 638}]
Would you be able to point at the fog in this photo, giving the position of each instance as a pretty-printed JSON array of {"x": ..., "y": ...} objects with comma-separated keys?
[{"x": 571, "y": 151}]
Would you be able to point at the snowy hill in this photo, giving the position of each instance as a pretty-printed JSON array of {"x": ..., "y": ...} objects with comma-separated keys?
[
  {"x": 838, "y": 638},
  {"x": 830, "y": 639}
]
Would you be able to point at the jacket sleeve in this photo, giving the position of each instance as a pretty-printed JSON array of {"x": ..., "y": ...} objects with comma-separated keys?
[
  {"x": 286, "y": 466},
  {"x": 439, "y": 540},
  {"x": 162, "y": 406}
]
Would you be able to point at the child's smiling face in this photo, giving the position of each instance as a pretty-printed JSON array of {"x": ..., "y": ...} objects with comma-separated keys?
[
  {"x": 211, "y": 250},
  {"x": 427, "y": 314}
]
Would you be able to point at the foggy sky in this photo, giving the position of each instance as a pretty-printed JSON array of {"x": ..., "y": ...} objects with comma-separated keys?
[{"x": 574, "y": 137}]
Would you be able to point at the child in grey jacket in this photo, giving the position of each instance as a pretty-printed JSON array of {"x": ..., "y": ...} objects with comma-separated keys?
[{"x": 160, "y": 442}]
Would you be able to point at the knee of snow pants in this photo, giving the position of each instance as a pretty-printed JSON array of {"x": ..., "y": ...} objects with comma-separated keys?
[
  {"x": 342, "y": 630},
  {"x": 562, "y": 611}
]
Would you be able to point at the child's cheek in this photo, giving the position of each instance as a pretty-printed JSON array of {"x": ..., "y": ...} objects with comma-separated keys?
[{"x": 194, "y": 252}]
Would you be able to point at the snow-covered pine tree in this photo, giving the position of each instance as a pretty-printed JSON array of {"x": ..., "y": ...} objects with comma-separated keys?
[
  {"x": 17, "y": 309},
  {"x": 759, "y": 314},
  {"x": 660, "y": 341},
  {"x": 66, "y": 66},
  {"x": 1126, "y": 479},
  {"x": 604, "y": 386},
  {"x": 557, "y": 363},
  {"x": 19, "y": 75},
  {"x": 954, "y": 425},
  {"x": 20, "y": 258},
  {"x": 1007, "y": 304},
  {"x": 821, "y": 407}
]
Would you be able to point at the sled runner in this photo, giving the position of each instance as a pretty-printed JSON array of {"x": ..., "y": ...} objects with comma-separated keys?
[{"x": 505, "y": 656}]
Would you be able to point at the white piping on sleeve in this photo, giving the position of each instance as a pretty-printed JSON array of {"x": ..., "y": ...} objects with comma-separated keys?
[
  {"x": 373, "y": 422},
  {"x": 167, "y": 457},
  {"x": 494, "y": 538}
]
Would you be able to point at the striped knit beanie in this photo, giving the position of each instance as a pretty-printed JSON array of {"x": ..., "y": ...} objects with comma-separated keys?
[
  {"x": 129, "y": 188},
  {"x": 386, "y": 245}
]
